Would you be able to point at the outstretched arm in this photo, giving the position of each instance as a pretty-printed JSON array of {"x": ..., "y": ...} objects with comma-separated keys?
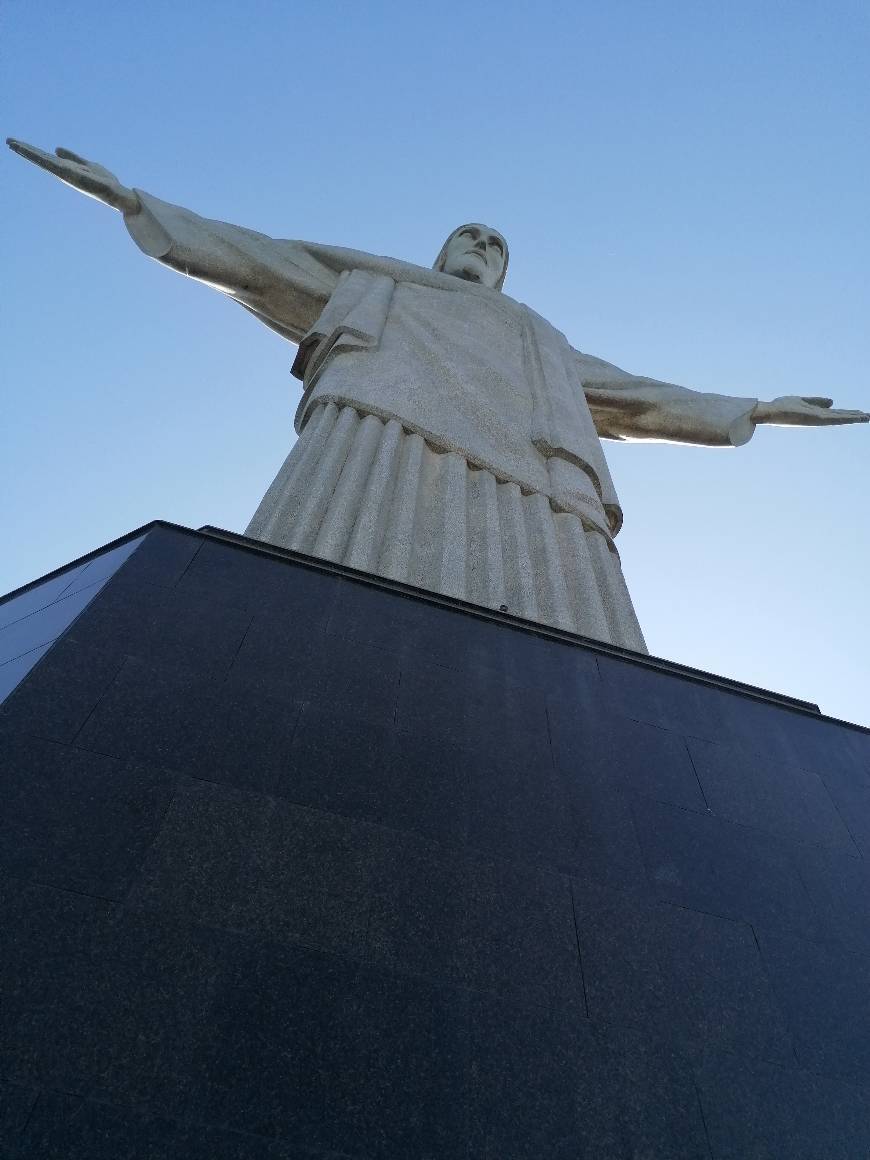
[
  {"x": 280, "y": 281},
  {"x": 632, "y": 407}
]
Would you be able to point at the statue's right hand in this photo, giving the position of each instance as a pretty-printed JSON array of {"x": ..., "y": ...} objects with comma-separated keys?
[{"x": 87, "y": 176}]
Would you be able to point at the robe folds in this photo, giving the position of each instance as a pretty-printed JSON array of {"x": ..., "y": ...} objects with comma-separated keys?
[{"x": 449, "y": 437}]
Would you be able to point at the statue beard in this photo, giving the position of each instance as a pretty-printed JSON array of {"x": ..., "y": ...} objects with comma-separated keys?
[{"x": 470, "y": 274}]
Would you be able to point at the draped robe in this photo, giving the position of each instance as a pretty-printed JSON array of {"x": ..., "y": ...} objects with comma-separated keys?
[{"x": 449, "y": 437}]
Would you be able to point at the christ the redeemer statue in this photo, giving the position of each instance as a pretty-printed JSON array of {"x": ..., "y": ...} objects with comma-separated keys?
[{"x": 449, "y": 437}]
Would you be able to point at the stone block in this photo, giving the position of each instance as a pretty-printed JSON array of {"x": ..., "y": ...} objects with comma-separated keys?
[
  {"x": 38, "y": 596},
  {"x": 163, "y": 557},
  {"x": 161, "y": 626},
  {"x": 16, "y": 1107},
  {"x": 517, "y": 809},
  {"x": 101, "y": 1001},
  {"x": 281, "y": 590},
  {"x": 668, "y": 701},
  {"x": 822, "y": 989},
  {"x": 850, "y": 791},
  {"x": 393, "y": 1069},
  {"x": 771, "y": 1112},
  {"x": 593, "y": 745},
  {"x": 289, "y": 661},
  {"x": 239, "y": 861},
  {"x": 756, "y": 790},
  {"x": 492, "y": 926},
  {"x": 13, "y": 672},
  {"x": 694, "y": 981},
  {"x": 262, "y": 1066},
  {"x": 81, "y": 821},
  {"x": 839, "y": 889},
  {"x": 551, "y": 1084},
  {"x": 186, "y": 722},
  {"x": 707, "y": 864},
  {"x": 59, "y": 695},
  {"x": 479, "y": 712}
]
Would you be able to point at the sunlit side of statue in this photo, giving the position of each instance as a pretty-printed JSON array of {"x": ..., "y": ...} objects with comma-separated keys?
[{"x": 449, "y": 437}]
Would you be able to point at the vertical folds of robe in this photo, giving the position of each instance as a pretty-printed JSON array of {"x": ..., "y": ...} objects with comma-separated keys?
[{"x": 365, "y": 492}]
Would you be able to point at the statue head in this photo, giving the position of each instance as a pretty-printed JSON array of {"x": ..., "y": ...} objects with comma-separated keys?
[{"x": 477, "y": 253}]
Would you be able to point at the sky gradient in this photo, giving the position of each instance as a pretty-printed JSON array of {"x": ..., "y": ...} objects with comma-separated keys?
[{"x": 684, "y": 187}]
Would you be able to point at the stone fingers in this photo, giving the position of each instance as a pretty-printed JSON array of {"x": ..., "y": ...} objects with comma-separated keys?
[
  {"x": 68, "y": 155},
  {"x": 38, "y": 156}
]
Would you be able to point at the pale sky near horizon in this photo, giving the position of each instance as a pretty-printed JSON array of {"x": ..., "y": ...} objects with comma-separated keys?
[{"x": 684, "y": 187}]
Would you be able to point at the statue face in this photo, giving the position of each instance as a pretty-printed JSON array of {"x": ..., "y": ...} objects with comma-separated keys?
[{"x": 476, "y": 253}]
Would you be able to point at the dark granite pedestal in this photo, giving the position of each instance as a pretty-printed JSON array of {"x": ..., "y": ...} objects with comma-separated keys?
[{"x": 302, "y": 864}]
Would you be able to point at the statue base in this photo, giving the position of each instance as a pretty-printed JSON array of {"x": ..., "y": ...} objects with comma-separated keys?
[{"x": 300, "y": 861}]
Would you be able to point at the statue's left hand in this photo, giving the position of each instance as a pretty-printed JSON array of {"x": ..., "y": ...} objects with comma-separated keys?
[
  {"x": 86, "y": 176},
  {"x": 804, "y": 411}
]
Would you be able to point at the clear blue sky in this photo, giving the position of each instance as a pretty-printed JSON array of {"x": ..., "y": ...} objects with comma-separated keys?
[{"x": 684, "y": 187}]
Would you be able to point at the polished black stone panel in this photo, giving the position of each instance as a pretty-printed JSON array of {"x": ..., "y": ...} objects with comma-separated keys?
[
  {"x": 556, "y": 1085},
  {"x": 350, "y": 763},
  {"x": 447, "y": 638},
  {"x": 708, "y": 864},
  {"x": 18, "y": 606},
  {"x": 163, "y": 626},
  {"x": 362, "y": 766},
  {"x": 516, "y": 807},
  {"x": 32, "y": 619},
  {"x": 308, "y": 1049},
  {"x": 394, "y": 1069},
  {"x": 491, "y": 926},
  {"x": 779, "y": 727},
  {"x": 756, "y": 790},
  {"x": 242, "y": 861},
  {"x": 829, "y": 748},
  {"x": 257, "y": 582},
  {"x": 692, "y": 980},
  {"x": 483, "y": 713},
  {"x": 71, "y": 1127},
  {"x": 839, "y": 887},
  {"x": 163, "y": 558},
  {"x": 822, "y": 988},
  {"x": 594, "y": 782},
  {"x": 390, "y": 620},
  {"x": 592, "y": 743},
  {"x": 44, "y": 626},
  {"x": 78, "y": 820},
  {"x": 298, "y": 863},
  {"x": 782, "y": 1114},
  {"x": 270, "y": 1023},
  {"x": 190, "y": 723},
  {"x": 96, "y": 1001},
  {"x": 16, "y": 1108},
  {"x": 42, "y": 596},
  {"x": 13, "y": 672},
  {"x": 850, "y": 791},
  {"x": 62, "y": 691},
  {"x": 670, "y": 702},
  {"x": 310, "y": 665}
]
